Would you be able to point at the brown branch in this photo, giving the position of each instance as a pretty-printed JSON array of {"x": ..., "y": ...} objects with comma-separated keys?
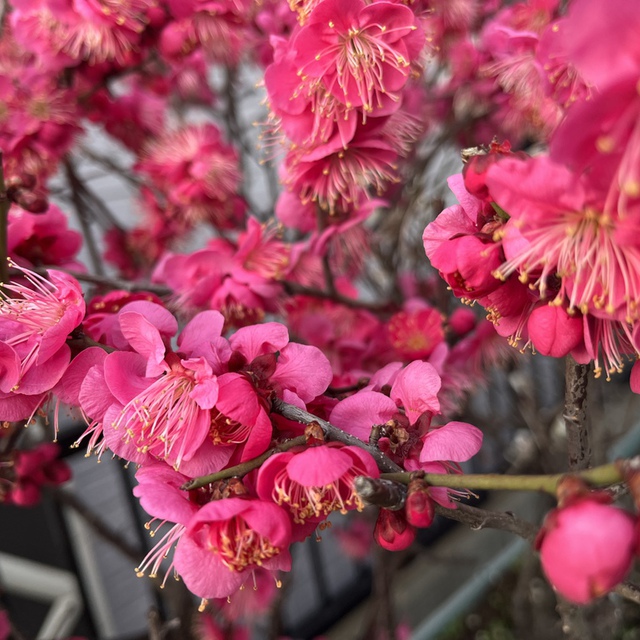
[
  {"x": 575, "y": 415},
  {"x": 478, "y": 519},
  {"x": 293, "y": 288},
  {"x": 83, "y": 215},
  {"x": 243, "y": 468},
  {"x": 116, "y": 283},
  {"x": 381, "y": 493},
  {"x": 629, "y": 591},
  {"x": 97, "y": 524},
  {"x": 333, "y": 433},
  {"x": 574, "y": 625}
]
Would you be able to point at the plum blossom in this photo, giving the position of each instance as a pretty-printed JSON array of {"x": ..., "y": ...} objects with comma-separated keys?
[
  {"x": 362, "y": 53},
  {"x": 24, "y": 474},
  {"x": 34, "y": 326},
  {"x": 226, "y": 539},
  {"x": 197, "y": 171},
  {"x": 312, "y": 483},
  {"x": 159, "y": 401}
]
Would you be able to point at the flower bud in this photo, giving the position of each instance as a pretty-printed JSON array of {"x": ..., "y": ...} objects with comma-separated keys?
[
  {"x": 419, "y": 505},
  {"x": 392, "y": 531},
  {"x": 586, "y": 548}
]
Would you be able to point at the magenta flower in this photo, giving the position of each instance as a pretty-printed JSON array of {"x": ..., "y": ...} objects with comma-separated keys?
[
  {"x": 161, "y": 497},
  {"x": 43, "y": 239},
  {"x": 414, "y": 394},
  {"x": 34, "y": 327},
  {"x": 361, "y": 53},
  {"x": 26, "y": 472},
  {"x": 226, "y": 539},
  {"x": 81, "y": 30},
  {"x": 162, "y": 401},
  {"x": 314, "y": 482},
  {"x": 198, "y": 172},
  {"x": 415, "y": 333},
  {"x": 336, "y": 176}
]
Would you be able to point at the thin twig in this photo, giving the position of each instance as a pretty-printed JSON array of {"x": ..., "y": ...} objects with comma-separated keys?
[
  {"x": 629, "y": 591},
  {"x": 98, "y": 525},
  {"x": 293, "y": 288},
  {"x": 333, "y": 433},
  {"x": 116, "y": 283},
  {"x": 243, "y": 468},
  {"x": 478, "y": 519},
  {"x": 83, "y": 216}
]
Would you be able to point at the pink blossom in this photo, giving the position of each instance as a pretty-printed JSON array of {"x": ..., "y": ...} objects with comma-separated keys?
[
  {"x": 161, "y": 497},
  {"x": 82, "y": 30},
  {"x": 226, "y": 539},
  {"x": 161, "y": 401},
  {"x": 336, "y": 175},
  {"x": 303, "y": 108},
  {"x": 34, "y": 327},
  {"x": 559, "y": 215},
  {"x": 197, "y": 171},
  {"x": 553, "y": 332},
  {"x": 361, "y": 53},
  {"x": 587, "y": 548},
  {"x": 220, "y": 27},
  {"x": 312, "y": 483},
  {"x": 22, "y": 478},
  {"x": 43, "y": 239}
]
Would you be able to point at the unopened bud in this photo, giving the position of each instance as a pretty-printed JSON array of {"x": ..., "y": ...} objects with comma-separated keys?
[
  {"x": 587, "y": 547},
  {"x": 419, "y": 505},
  {"x": 392, "y": 531},
  {"x": 29, "y": 200}
]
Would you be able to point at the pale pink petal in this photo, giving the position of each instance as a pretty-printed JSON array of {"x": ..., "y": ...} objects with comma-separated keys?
[
  {"x": 145, "y": 338},
  {"x": 260, "y": 339},
  {"x": 416, "y": 389},
  {"x": 455, "y": 441},
  {"x": 384, "y": 376},
  {"x": 207, "y": 458},
  {"x": 43, "y": 377},
  {"x": 125, "y": 373},
  {"x": 162, "y": 319},
  {"x": 318, "y": 466},
  {"x": 9, "y": 368},
  {"x": 304, "y": 369},
  {"x": 203, "y": 328},
  {"x": 18, "y": 407},
  {"x": 117, "y": 439},
  {"x": 94, "y": 396},
  {"x": 203, "y": 572},
  {"x": 68, "y": 389},
  {"x": 358, "y": 413},
  {"x": 160, "y": 494}
]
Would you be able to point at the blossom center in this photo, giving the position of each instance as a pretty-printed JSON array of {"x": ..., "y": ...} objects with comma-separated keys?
[{"x": 238, "y": 545}]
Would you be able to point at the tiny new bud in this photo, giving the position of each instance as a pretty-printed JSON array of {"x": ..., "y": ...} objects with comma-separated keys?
[
  {"x": 392, "y": 531},
  {"x": 29, "y": 200},
  {"x": 419, "y": 505}
]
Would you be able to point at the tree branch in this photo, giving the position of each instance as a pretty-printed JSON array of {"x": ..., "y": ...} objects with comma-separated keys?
[
  {"x": 333, "y": 433},
  {"x": 575, "y": 415},
  {"x": 478, "y": 519}
]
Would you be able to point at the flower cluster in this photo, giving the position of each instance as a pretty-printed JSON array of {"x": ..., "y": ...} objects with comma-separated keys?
[{"x": 336, "y": 89}]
